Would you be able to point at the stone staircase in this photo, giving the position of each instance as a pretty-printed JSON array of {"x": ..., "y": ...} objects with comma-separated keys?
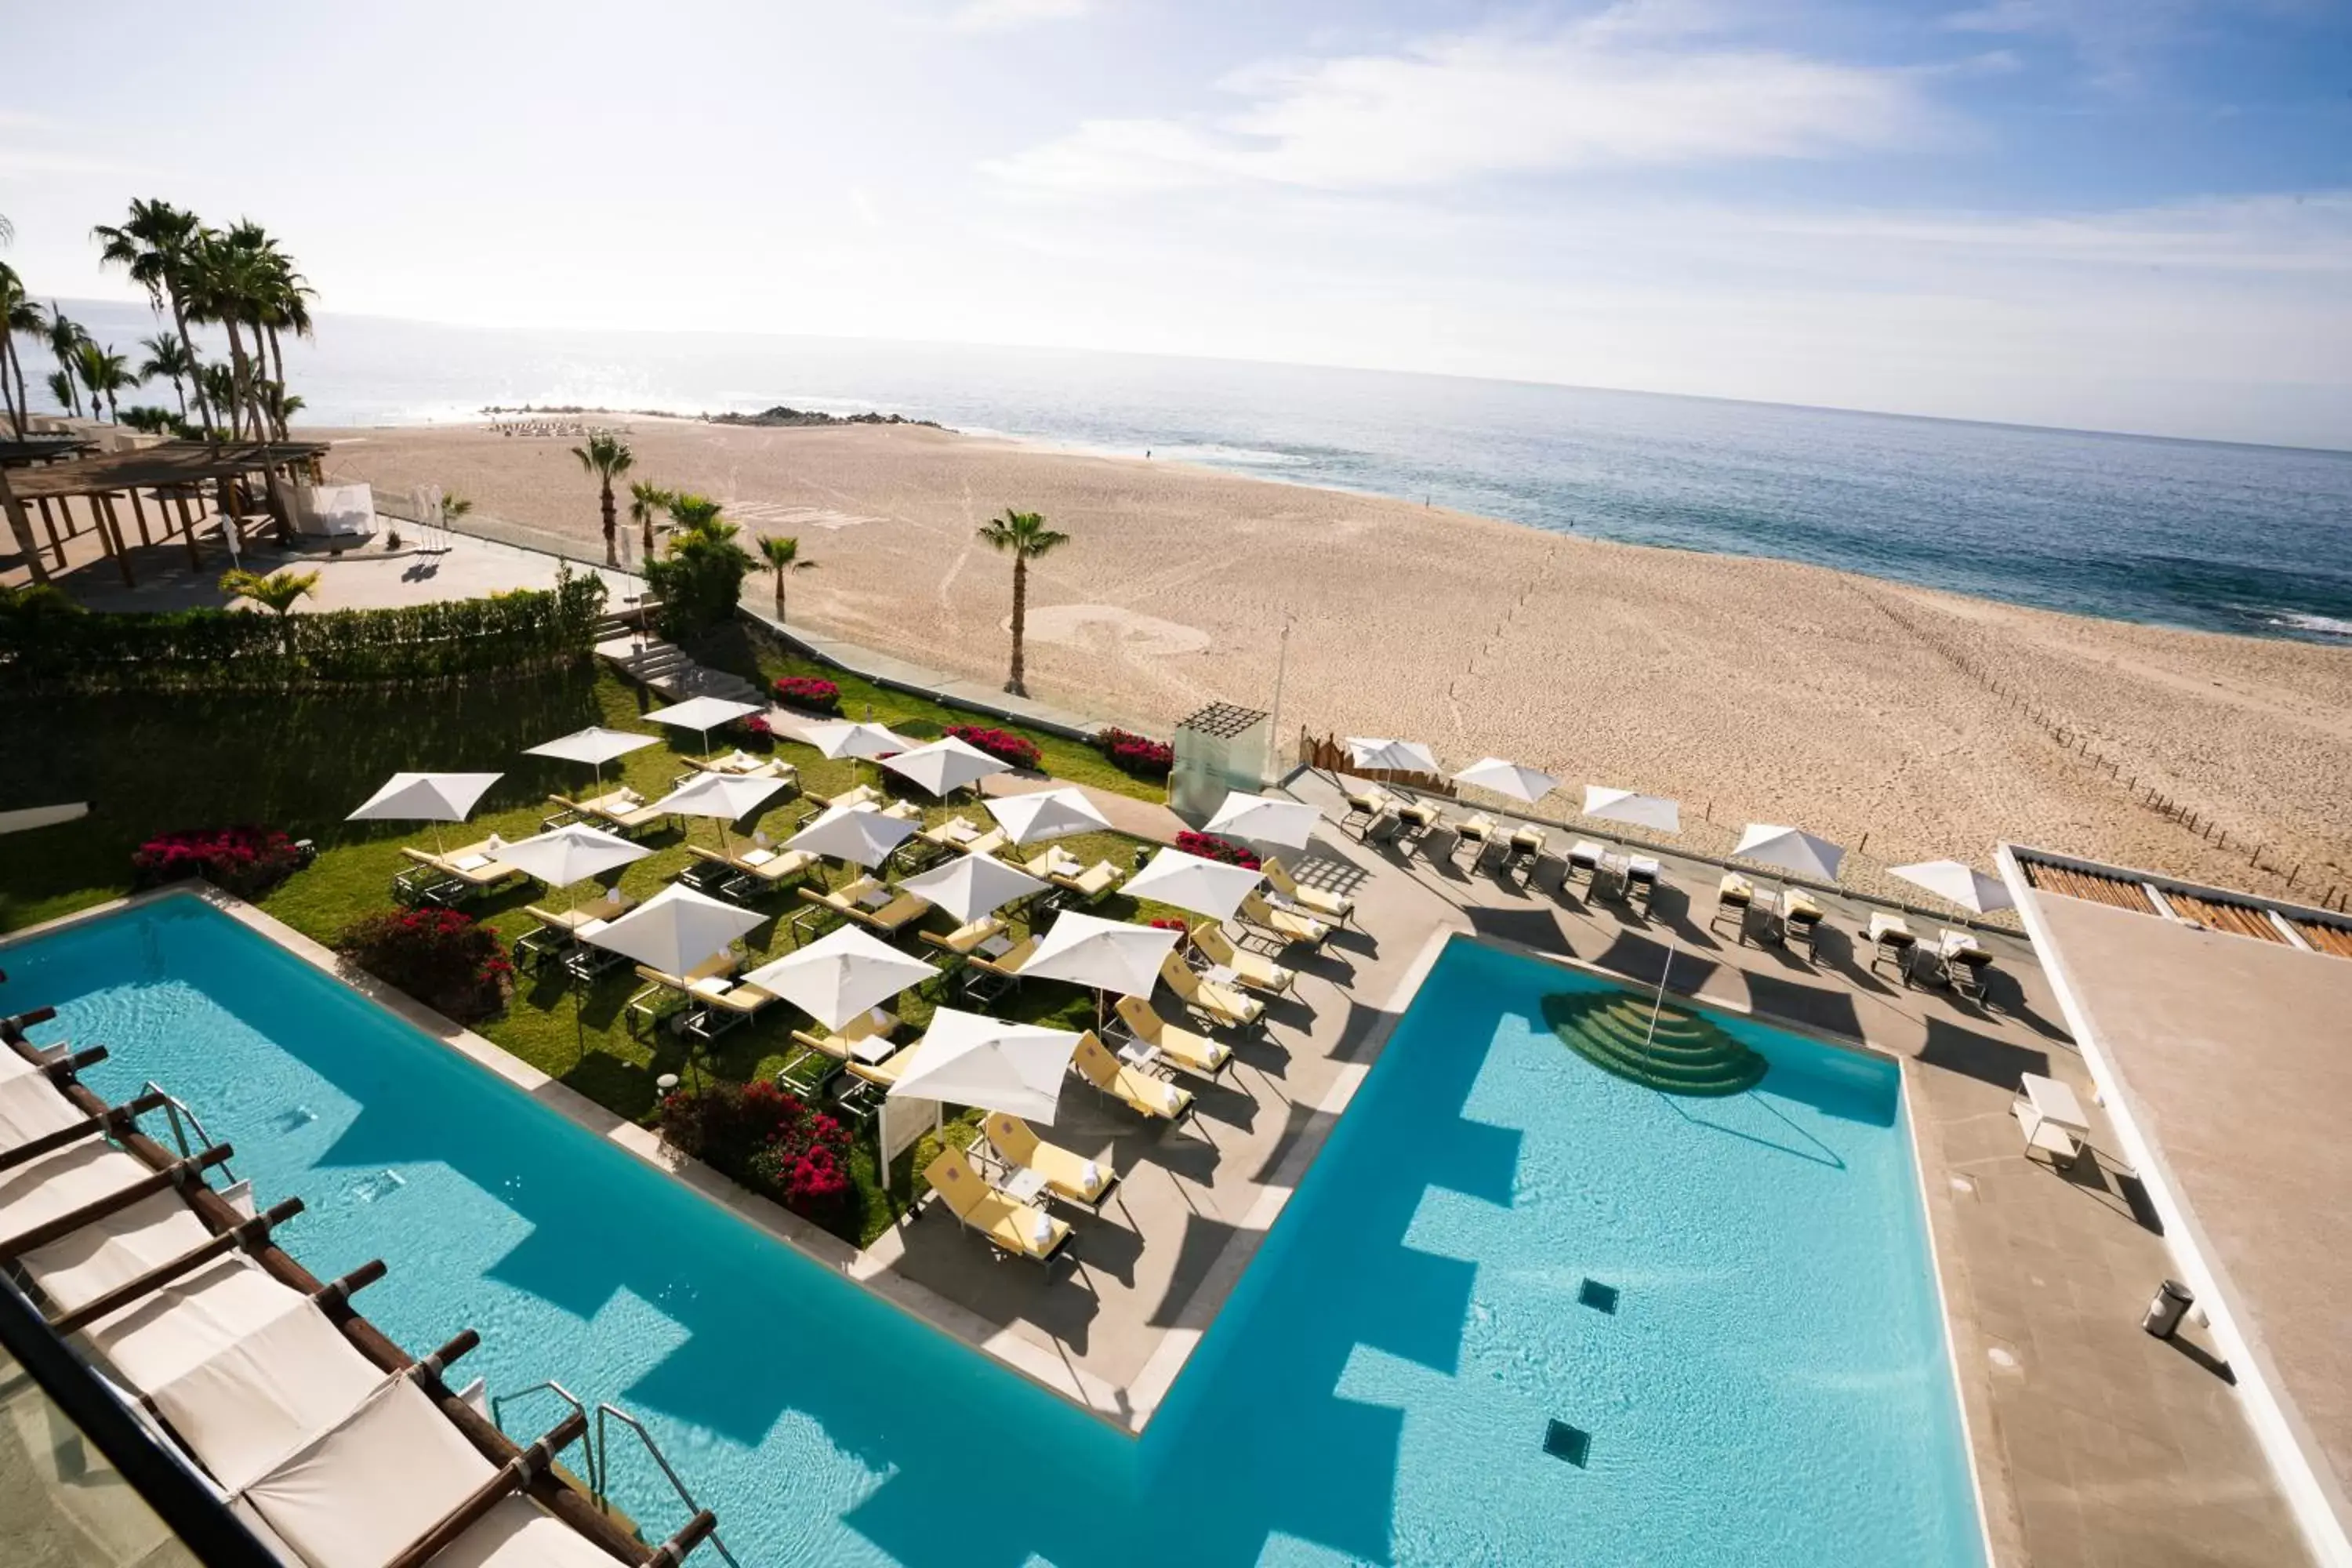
[
  {"x": 665, "y": 667},
  {"x": 1687, "y": 1054}
]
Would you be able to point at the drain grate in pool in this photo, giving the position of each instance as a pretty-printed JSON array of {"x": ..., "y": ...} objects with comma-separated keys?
[
  {"x": 1562, "y": 1441},
  {"x": 1601, "y": 1298}
]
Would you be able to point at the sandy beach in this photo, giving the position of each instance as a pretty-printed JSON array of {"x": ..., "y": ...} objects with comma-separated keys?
[{"x": 1751, "y": 690}]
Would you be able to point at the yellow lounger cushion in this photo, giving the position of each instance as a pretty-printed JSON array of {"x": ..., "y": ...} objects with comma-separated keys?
[
  {"x": 1016, "y": 1227},
  {"x": 1068, "y": 1174}
]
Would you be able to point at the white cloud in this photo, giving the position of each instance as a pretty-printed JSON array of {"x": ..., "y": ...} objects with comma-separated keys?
[
  {"x": 999, "y": 15},
  {"x": 1623, "y": 89}
]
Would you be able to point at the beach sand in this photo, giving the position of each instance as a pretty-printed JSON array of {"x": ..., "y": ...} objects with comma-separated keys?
[{"x": 1750, "y": 690}]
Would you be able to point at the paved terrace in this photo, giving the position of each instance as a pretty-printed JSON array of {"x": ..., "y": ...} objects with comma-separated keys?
[{"x": 2094, "y": 1443}]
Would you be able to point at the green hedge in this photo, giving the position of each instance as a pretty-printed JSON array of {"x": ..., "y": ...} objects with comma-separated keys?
[{"x": 46, "y": 640}]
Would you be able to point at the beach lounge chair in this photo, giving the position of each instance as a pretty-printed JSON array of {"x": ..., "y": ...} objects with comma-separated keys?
[
  {"x": 474, "y": 868},
  {"x": 557, "y": 932},
  {"x": 842, "y": 1044},
  {"x": 1194, "y": 1051},
  {"x": 1147, "y": 1096},
  {"x": 1069, "y": 1176},
  {"x": 1962, "y": 962},
  {"x": 1316, "y": 901},
  {"x": 1253, "y": 971},
  {"x": 1529, "y": 842},
  {"x": 1642, "y": 876},
  {"x": 1006, "y": 960},
  {"x": 623, "y": 810},
  {"x": 1583, "y": 856},
  {"x": 741, "y": 765},
  {"x": 1892, "y": 938},
  {"x": 1205, "y": 997},
  {"x": 1383, "y": 826},
  {"x": 1733, "y": 897},
  {"x": 966, "y": 938},
  {"x": 1420, "y": 815},
  {"x": 1092, "y": 885},
  {"x": 1478, "y": 829},
  {"x": 756, "y": 868},
  {"x": 960, "y": 836},
  {"x": 871, "y": 904},
  {"x": 864, "y": 795},
  {"x": 1801, "y": 919},
  {"x": 1288, "y": 926},
  {"x": 1367, "y": 803},
  {"x": 1013, "y": 1229},
  {"x": 705, "y": 979}
]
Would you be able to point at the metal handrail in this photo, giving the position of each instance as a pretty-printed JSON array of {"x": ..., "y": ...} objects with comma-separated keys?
[
  {"x": 174, "y": 1110},
  {"x": 603, "y": 1450},
  {"x": 498, "y": 1402},
  {"x": 1673, "y": 945}
]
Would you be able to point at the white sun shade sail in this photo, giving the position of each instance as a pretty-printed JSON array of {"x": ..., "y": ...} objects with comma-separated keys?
[
  {"x": 1956, "y": 882},
  {"x": 971, "y": 886},
  {"x": 946, "y": 764},
  {"x": 1262, "y": 820},
  {"x": 839, "y": 738},
  {"x": 425, "y": 797},
  {"x": 676, "y": 929},
  {"x": 1046, "y": 813},
  {"x": 1192, "y": 882},
  {"x": 1391, "y": 756},
  {"x": 702, "y": 714},
  {"x": 726, "y": 796},
  {"x": 840, "y": 976},
  {"x": 595, "y": 745},
  {"x": 358, "y": 1494},
  {"x": 965, "y": 1058},
  {"x": 858, "y": 834},
  {"x": 562, "y": 856},
  {"x": 1790, "y": 849},
  {"x": 1634, "y": 809},
  {"x": 1529, "y": 784},
  {"x": 1109, "y": 955}
]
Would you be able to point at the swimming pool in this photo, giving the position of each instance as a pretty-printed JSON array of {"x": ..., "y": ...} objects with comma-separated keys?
[{"x": 1771, "y": 1387}]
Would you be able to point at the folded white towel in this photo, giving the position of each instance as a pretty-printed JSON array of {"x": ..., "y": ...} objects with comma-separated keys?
[
  {"x": 1041, "y": 1229},
  {"x": 1093, "y": 1176}
]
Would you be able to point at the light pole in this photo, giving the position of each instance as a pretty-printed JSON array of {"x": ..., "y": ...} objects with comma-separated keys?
[{"x": 1281, "y": 663}]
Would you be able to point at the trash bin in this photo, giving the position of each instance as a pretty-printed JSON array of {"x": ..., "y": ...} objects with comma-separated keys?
[{"x": 2166, "y": 1310}]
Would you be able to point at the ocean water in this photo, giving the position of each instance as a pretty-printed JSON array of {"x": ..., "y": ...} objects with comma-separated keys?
[
  {"x": 1772, "y": 1386},
  {"x": 2219, "y": 537}
]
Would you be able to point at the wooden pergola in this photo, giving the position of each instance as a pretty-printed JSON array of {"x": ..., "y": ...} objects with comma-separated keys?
[{"x": 179, "y": 476}]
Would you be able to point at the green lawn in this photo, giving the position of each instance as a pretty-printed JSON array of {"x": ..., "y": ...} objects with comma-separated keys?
[{"x": 153, "y": 764}]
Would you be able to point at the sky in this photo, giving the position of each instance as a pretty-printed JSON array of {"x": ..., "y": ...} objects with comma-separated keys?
[{"x": 2108, "y": 213}]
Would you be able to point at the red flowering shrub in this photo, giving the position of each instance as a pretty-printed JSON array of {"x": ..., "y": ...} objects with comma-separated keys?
[
  {"x": 758, "y": 733},
  {"x": 767, "y": 1138},
  {"x": 1209, "y": 847},
  {"x": 246, "y": 861},
  {"x": 1170, "y": 922},
  {"x": 809, "y": 693},
  {"x": 448, "y": 961},
  {"x": 1002, "y": 744},
  {"x": 1137, "y": 754}
]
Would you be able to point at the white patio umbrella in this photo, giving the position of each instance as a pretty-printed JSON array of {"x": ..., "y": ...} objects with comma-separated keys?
[
  {"x": 1262, "y": 820},
  {"x": 1790, "y": 849},
  {"x": 1508, "y": 778},
  {"x": 1109, "y": 956},
  {"x": 971, "y": 886},
  {"x": 1391, "y": 756},
  {"x": 945, "y": 765},
  {"x": 565, "y": 856},
  {"x": 425, "y": 797},
  {"x": 857, "y": 834},
  {"x": 676, "y": 929},
  {"x": 840, "y": 976},
  {"x": 726, "y": 797},
  {"x": 701, "y": 714},
  {"x": 1957, "y": 882},
  {"x": 595, "y": 745},
  {"x": 1192, "y": 882},
  {"x": 839, "y": 738},
  {"x": 1625, "y": 805},
  {"x": 966, "y": 1058},
  {"x": 1046, "y": 813}
]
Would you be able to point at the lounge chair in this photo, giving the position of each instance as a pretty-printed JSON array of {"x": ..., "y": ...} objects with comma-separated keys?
[
  {"x": 1056, "y": 865},
  {"x": 763, "y": 868},
  {"x": 842, "y": 1044},
  {"x": 1145, "y": 1095},
  {"x": 962, "y": 836},
  {"x": 884, "y": 1073},
  {"x": 1962, "y": 962},
  {"x": 1891, "y": 937},
  {"x": 1529, "y": 843},
  {"x": 1015, "y": 1228},
  {"x": 1005, "y": 965},
  {"x": 741, "y": 765},
  {"x": 1642, "y": 877},
  {"x": 1068, "y": 1175},
  {"x": 1252, "y": 970},
  {"x": 476, "y": 866},
  {"x": 1420, "y": 815},
  {"x": 1288, "y": 926},
  {"x": 967, "y": 937},
  {"x": 1367, "y": 803},
  {"x": 698, "y": 984},
  {"x": 1800, "y": 918},
  {"x": 1185, "y": 1048},
  {"x": 1478, "y": 829},
  {"x": 1316, "y": 901},
  {"x": 864, "y": 795},
  {"x": 1383, "y": 826},
  {"x": 1733, "y": 897},
  {"x": 858, "y": 901},
  {"x": 558, "y": 932},
  {"x": 625, "y": 811},
  {"x": 1218, "y": 1003},
  {"x": 1583, "y": 856}
]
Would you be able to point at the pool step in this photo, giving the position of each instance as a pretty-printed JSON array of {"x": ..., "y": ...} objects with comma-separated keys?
[{"x": 1686, "y": 1053}]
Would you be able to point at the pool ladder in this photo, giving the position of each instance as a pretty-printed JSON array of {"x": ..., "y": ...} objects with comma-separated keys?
[
  {"x": 1658, "y": 1005},
  {"x": 600, "y": 1449},
  {"x": 182, "y": 1118}
]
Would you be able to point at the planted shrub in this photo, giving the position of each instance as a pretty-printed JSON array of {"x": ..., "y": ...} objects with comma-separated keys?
[
  {"x": 1209, "y": 847},
  {"x": 767, "y": 1138},
  {"x": 1137, "y": 754},
  {"x": 1170, "y": 922},
  {"x": 1002, "y": 744},
  {"x": 246, "y": 861},
  {"x": 445, "y": 959},
  {"x": 810, "y": 693},
  {"x": 757, "y": 734}
]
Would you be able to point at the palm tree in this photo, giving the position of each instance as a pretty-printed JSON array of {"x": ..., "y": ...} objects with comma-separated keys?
[
  {"x": 278, "y": 592},
  {"x": 783, "y": 555},
  {"x": 228, "y": 277},
  {"x": 608, "y": 457},
  {"x": 168, "y": 359},
  {"x": 646, "y": 501},
  {"x": 698, "y": 514},
  {"x": 18, "y": 313},
  {"x": 157, "y": 244},
  {"x": 105, "y": 374},
  {"x": 1025, "y": 534},
  {"x": 61, "y": 388},
  {"x": 66, "y": 337}
]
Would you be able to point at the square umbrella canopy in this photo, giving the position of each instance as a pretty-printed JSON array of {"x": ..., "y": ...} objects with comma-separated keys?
[
  {"x": 1625, "y": 805},
  {"x": 563, "y": 856},
  {"x": 726, "y": 797},
  {"x": 1958, "y": 883},
  {"x": 1529, "y": 784},
  {"x": 1262, "y": 820},
  {"x": 840, "y": 976},
  {"x": 966, "y": 1058},
  {"x": 946, "y": 765},
  {"x": 1391, "y": 756},
  {"x": 594, "y": 745},
  {"x": 971, "y": 886},
  {"x": 1790, "y": 849},
  {"x": 702, "y": 715},
  {"x": 1109, "y": 956},
  {"x": 858, "y": 834},
  {"x": 1046, "y": 813},
  {"x": 425, "y": 797},
  {"x": 1193, "y": 882},
  {"x": 839, "y": 738},
  {"x": 676, "y": 929}
]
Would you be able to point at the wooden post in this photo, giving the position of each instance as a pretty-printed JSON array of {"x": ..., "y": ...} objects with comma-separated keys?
[
  {"x": 21, "y": 526},
  {"x": 49, "y": 521},
  {"x": 109, "y": 528},
  {"x": 139, "y": 512},
  {"x": 187, "y": 527}
]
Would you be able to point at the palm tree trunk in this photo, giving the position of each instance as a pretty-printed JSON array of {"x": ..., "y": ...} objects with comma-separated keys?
[
  {"x": 180, "y": 393},
  {"x": 612, "y": 526},
  {"x": 1019, "y": 621},
  {"x": 277, "y": 370},
  {"x": 240, "y": 380},
  {"x": 195, "y": 366},
  {"x": 16, "y": 418},
  {"x": 23, "y": 399}
]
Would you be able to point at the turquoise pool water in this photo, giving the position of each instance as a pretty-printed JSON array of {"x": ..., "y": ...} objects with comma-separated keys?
[{"x": 1771, "y": 1387}]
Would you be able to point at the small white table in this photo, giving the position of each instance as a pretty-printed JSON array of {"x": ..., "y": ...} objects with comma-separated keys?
[
  {"x": 1022, "y": 1185},
  {"x": 1139, "y": 1053},
  {"x": 1220, "y": 974}
]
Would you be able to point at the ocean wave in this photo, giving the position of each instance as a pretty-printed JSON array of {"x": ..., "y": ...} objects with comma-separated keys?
[
  {"x": 1241, "y": 457},
  {"x": 2297, "y": 620}
]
